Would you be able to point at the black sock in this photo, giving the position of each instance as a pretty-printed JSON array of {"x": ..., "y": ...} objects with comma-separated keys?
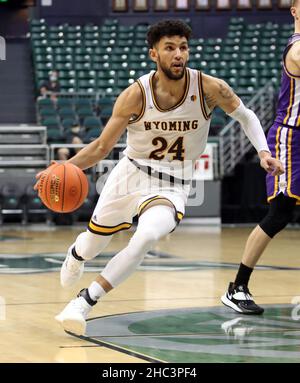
[
  {"x": 76, "y": 256},
  {"x": 243, "y": 275},
  {"x": 85, "y": 294}
]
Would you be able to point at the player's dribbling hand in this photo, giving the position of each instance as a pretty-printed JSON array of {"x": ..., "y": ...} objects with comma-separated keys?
[
  {"x": 38, "y": 176},
  {"x": 271, "y": 165}
]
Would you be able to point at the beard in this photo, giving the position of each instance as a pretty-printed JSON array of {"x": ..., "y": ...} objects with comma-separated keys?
[{"x": 168, "y": 72}]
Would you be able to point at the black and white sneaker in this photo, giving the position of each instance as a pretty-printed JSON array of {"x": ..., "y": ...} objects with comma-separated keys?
[{"x": 240, "y": 300}]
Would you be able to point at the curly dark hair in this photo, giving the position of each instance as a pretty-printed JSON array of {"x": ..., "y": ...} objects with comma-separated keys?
[{"x": 167, "y": 28}]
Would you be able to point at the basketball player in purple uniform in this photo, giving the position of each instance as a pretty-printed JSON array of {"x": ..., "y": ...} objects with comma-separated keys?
[{"x": 283, "y": 190}]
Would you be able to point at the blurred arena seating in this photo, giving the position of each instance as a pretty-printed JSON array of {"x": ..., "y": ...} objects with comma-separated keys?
[{"x": 96, "y": 62}]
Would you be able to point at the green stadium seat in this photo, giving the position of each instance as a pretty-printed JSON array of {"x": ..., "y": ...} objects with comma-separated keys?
[
  {"x": 92, "y": 122},
  {"x": 247, "y": 82},
  {"x": 218, "y": 120},
  {"x": 110, "y": 22},
  {"x": 127, "y": 28},
  {"x": 194, "y": 64},
  {"x": 51, "y": 122},
  {"x": 85, "y": 112},
  {"x": 66, "y": 112},
  {"x": 103, "y": 83},
  {"x": 91, "y": 135},
  {"x": 45, "y": 103},
  {"x": 105, "y": 102},
  {"x": 236, "y": 21},
  {"x": 106, "y": 59},
  {"x": 124, "y": 83},
  {"x": 54, "y": 135},
  {"x": 67, "y": 123},
  {"x": 47, "y": 112},
  {"x": 67, "y": 74},
  {"x": 105, "y": 113},
  {"x": 87, "y": 83},
  {"x": 126, "y": 35},
  {"x": 83, "y": 102},
  {"x": 90, "y": 28},
  {"x": 138, "y": 50},
  {"x": 63, "y": 102}
]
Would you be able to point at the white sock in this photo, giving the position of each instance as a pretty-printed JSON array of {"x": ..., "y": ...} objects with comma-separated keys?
[{"x": 96, "y": 291}]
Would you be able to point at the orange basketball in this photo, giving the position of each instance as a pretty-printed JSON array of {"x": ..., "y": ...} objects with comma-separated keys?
[{"x": 63, "y": 187}]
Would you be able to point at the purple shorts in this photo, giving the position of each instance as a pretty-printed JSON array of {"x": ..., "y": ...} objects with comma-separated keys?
[{"x": 284, "y": 144}]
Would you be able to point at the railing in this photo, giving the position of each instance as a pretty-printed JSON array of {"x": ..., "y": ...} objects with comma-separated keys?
[
  {"x": 21, "y": 156},
  {"x": 233, "y": 143},
  {"x": 14, "y": 134},
  {"x": 54, "y": 147}
]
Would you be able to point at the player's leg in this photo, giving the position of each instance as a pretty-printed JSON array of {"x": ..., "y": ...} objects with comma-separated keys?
[
  {"x": 86, "y": 247},
  {"x": 238, "y": 296},
  {"x": 112, "y": 213},
  {"x": 154, "y": 223}
]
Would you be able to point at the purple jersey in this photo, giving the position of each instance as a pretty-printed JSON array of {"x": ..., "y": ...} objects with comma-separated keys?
[{"x": 288, "y": 108}]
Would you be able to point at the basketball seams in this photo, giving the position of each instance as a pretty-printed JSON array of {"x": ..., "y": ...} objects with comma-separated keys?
[{"x": 68, "y": 194}]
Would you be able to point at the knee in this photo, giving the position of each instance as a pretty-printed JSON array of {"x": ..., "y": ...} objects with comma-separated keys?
[
  {"x": 141, "y": 243},
  {"x": 279, "y": 215},
  {"x": 89, "y": 245},
  {"x": 272, "y": 225},
  {"x": 147, "y": 237}
]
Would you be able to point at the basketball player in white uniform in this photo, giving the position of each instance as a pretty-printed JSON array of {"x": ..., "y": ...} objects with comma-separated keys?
[{"x": 167, "y": 116}]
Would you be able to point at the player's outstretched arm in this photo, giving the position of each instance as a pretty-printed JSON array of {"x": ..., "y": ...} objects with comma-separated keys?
[
  {"x": 218, "y": 93},
  {"x": 127, "y": 104}
]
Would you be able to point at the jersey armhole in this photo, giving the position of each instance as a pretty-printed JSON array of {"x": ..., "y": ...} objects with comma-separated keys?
[
  {"x": 137, "y": 118},
  {"x": 289, "y": 74},
  {"x": 203, "y": 105}
]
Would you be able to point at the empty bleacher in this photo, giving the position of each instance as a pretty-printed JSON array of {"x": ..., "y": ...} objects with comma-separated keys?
[
  {"x": 23, "y": 153},
  {"x": 96, "y": 62}
]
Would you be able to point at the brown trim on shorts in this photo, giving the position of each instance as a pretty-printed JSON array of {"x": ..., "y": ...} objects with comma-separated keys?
[
  {"x": 178, "y": 215},
  {"x": 108, "y": 230}
]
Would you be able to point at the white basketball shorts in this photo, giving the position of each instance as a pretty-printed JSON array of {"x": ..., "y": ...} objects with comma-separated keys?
[{"x": 127, "y": 192}]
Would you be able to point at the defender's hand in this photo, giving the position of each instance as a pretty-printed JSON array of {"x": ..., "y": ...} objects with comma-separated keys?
[{"x": 270, "y": 164}]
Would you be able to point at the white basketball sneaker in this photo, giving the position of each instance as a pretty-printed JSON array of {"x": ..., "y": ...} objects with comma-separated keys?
[
  {"x": 71, "y": 270},
  {"x": 73, "y": 317}
]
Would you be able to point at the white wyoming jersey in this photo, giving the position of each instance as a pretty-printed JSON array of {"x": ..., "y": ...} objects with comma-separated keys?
[{"x": 169, "y": 137}]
